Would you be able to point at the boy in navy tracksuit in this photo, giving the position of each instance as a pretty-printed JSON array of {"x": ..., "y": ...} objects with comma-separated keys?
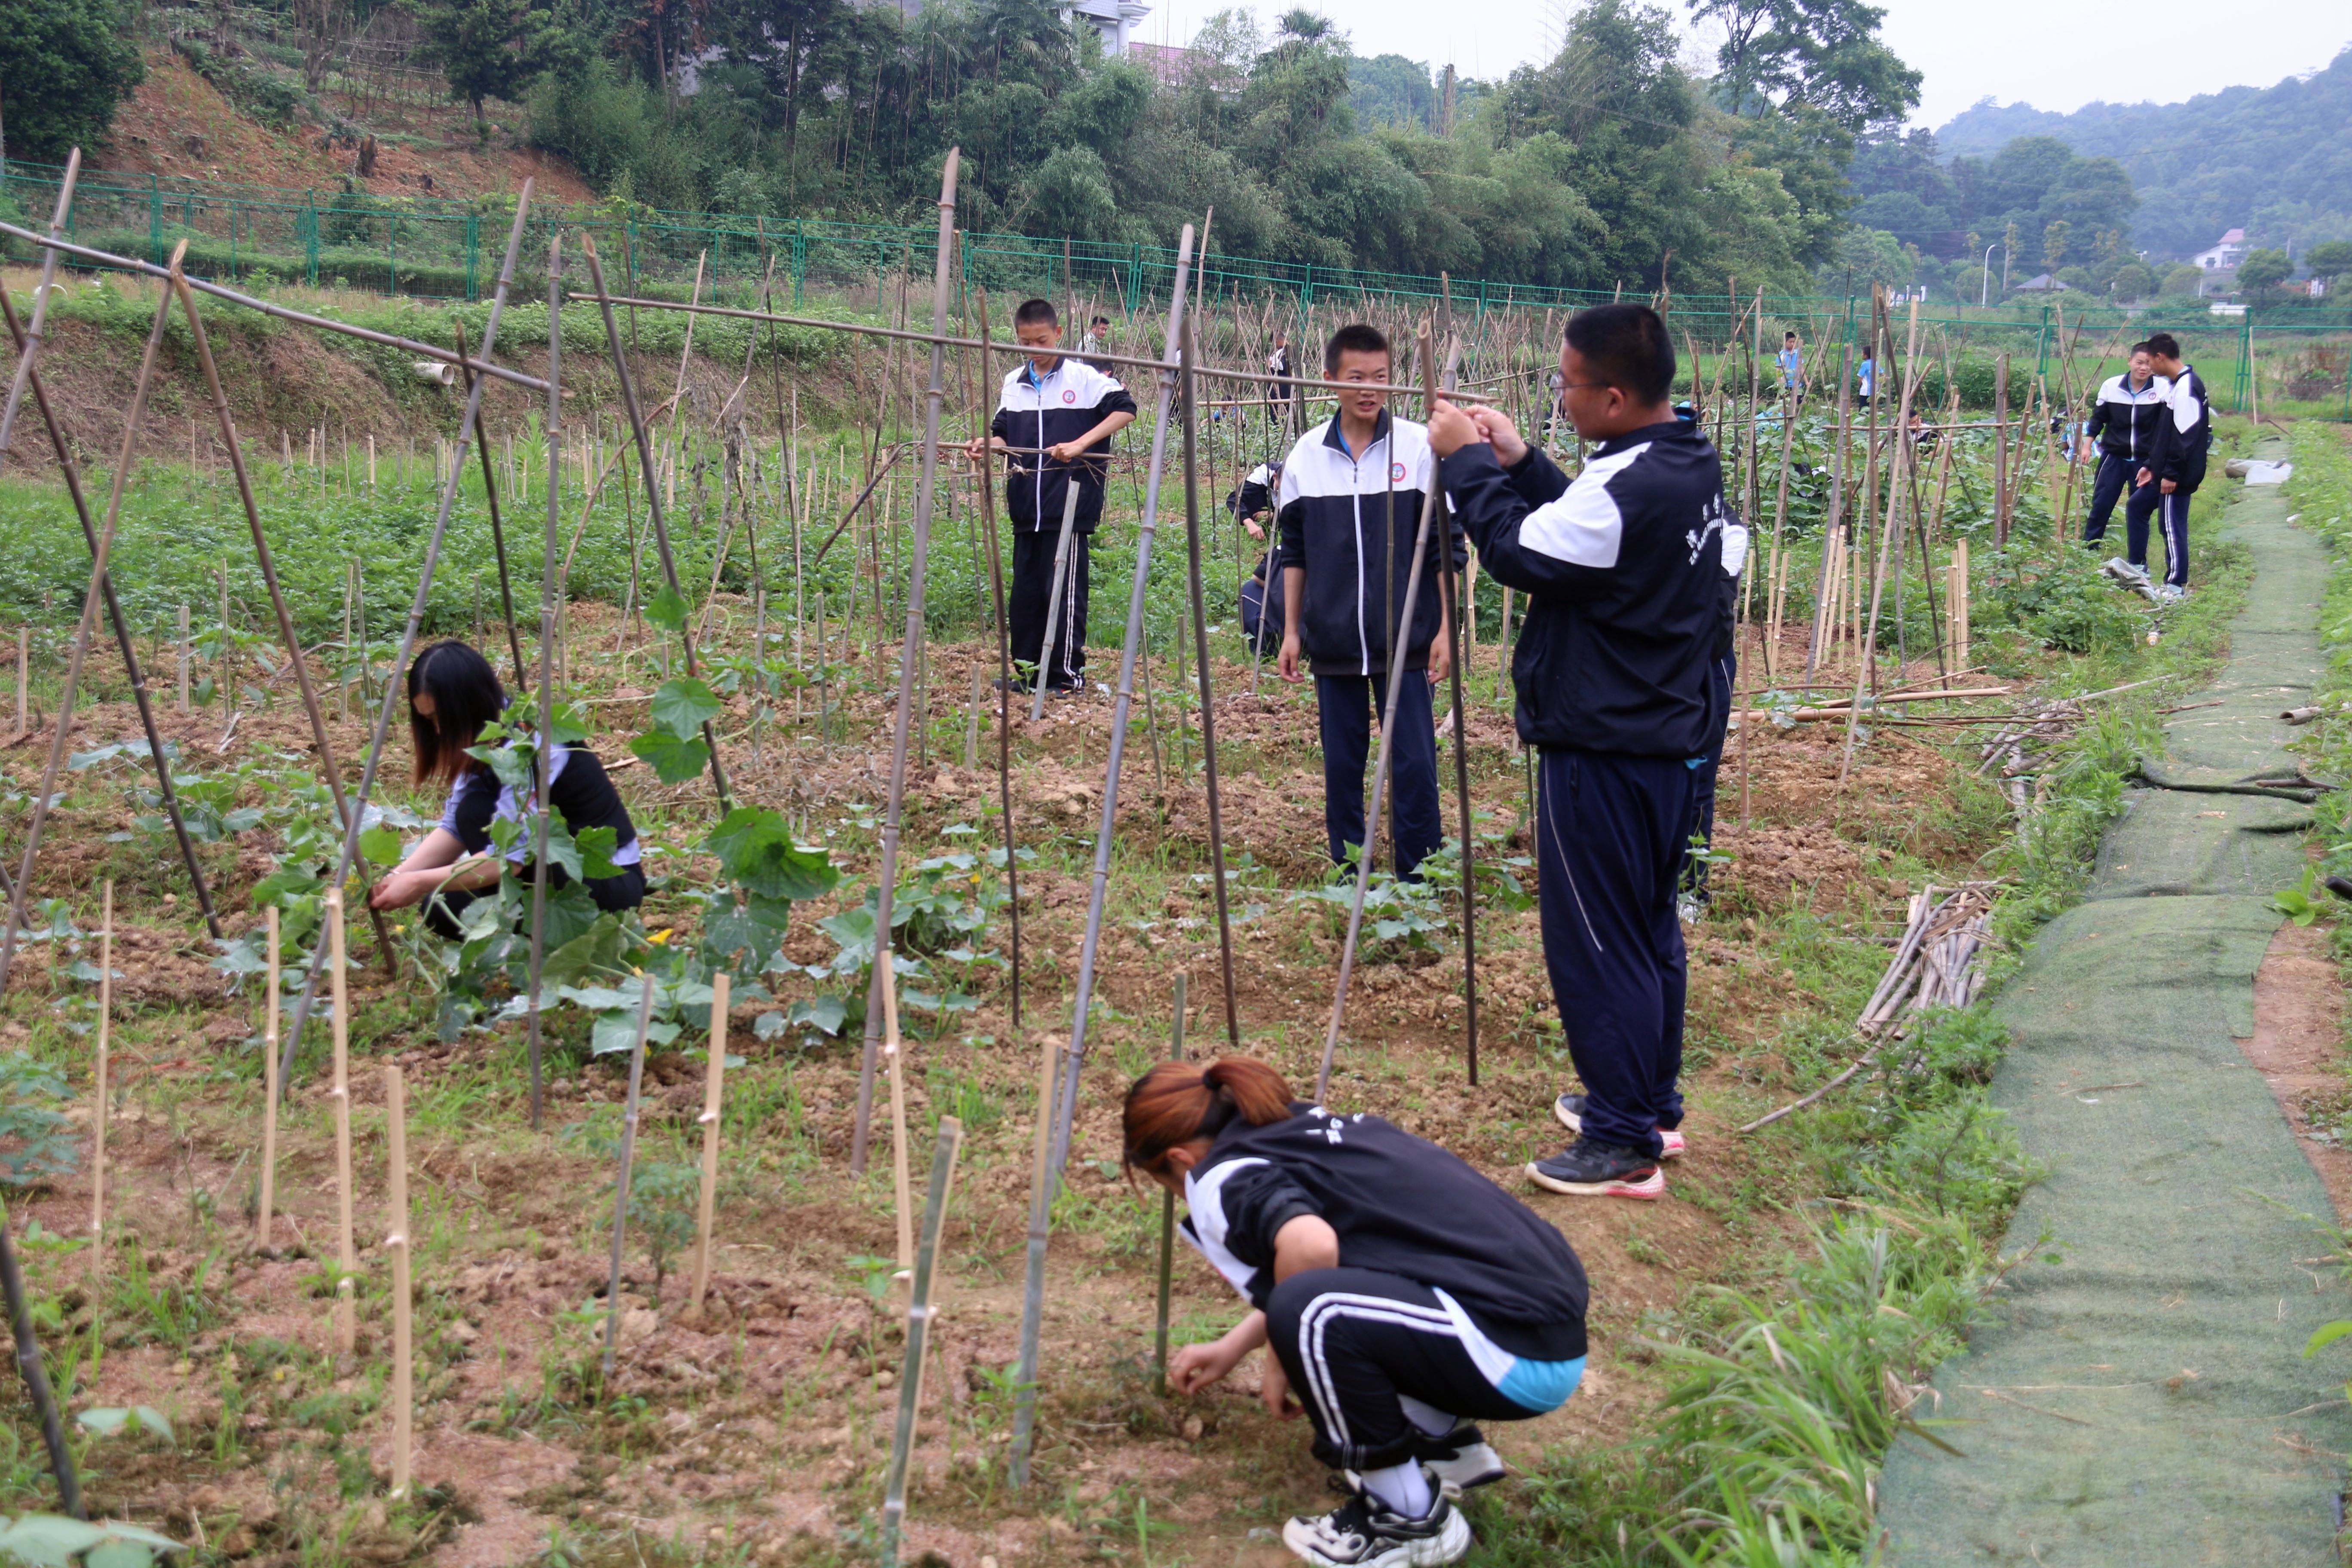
[
  {"x": 2183, "y": 437},
  {"x": 1619, "y": 690},
  {"x": 1056, "y": 414},
  {"x": 1402, "y": 1294},
  {"x": 2122, "y": 423},
  {"x": 1350, "y": 507}
]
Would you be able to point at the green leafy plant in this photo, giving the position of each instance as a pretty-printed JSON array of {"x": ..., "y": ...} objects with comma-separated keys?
[{"x": 36, "y": 1141}]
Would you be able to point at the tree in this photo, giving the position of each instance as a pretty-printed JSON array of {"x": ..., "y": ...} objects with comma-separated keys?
[
  {"x": 2329, "y": 259},
  {"x": 67, "y": 65},
  {"x": 487, "y": 49},
  {"x": 2133, "y": 282},
  {"x": 1823, "y": 53},
  {"x": 2264, "y": 270},
  {"x": 2056, "y": 239}
]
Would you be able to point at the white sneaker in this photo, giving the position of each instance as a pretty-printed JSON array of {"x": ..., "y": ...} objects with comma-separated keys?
[
  {"x": 1365, "y": 1532},
  {"x": 2168, "y": 593},
  {"x": 1463, "y": 1460}
]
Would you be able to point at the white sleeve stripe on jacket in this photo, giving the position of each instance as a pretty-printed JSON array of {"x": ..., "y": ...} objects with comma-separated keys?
[
  {"x": 1584, "y": 527},
  {"x": 1203, "y": 1199},
  {"x": 2185, "y": 403}
]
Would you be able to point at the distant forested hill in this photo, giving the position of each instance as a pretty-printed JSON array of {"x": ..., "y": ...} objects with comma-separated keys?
[{"x": 2275, "y": 160}]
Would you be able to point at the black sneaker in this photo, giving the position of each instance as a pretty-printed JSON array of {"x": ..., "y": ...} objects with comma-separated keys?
[
  {"x": 1588, "y": 1169},
  {"x": 1569, "y": 1109},
  {"x": 1365, "y": 1532},
  {"x": 1461, "y": 1459}
]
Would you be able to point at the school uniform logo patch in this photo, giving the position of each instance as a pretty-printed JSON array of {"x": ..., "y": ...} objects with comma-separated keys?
[
  {"x": 1396, "y": 473},
  {"x": 1069, "y": 397}
]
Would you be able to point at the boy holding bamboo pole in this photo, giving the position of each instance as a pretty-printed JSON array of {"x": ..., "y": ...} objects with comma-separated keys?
[{"x": 1625, "y": 571}]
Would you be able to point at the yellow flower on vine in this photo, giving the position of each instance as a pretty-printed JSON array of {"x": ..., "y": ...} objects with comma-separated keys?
[{"x": 659, "y": 938}]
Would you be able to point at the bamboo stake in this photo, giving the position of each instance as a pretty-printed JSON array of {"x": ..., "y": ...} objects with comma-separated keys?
[
  {"x": 287, "y": 636},
  {"x": 79, "y": 653},
  {"x": 713, "y": 1084},
  {"x": 621, "y": 1179},
  {"x": 1824, "y": 626},
  {"x": 98, "y": 1092},
  {"x": 187, "y": 656},
  {"x": 1208, "y": 700},
  {"x": 347, "y": 1262},
  {"x": 544, "y": 782},
  {"x": 404, "y": 1359},
  {"x": 1033, "y": 1302},
  {"x": 1452, "y": 603},
  {"x": 1396, "y": 677},
  {"x": 894, "y": 1061},
  {"x": 349, "y": 854},
  {"x": 490, "y": 498},
  {"x": 1059, "y": 592},
  {"x": 29, "y": 343},
  {"x": 124, "y": 643},
  {"x": 1167, "y": 1222},
  {"x": 36, "y": 1374},
  {"x": 919, "y": 1312},
  {"x": 909, "y": 651},
  {"x": 983, "y": 471},
  {"x": 654, "y": 505},
  {"x": 1959, "y": 601},
  {"x": 268, "y": 1195}
]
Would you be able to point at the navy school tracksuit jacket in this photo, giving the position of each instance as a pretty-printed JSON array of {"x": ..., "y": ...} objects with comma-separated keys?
[
  {"x": 1351, "y": 520},
  {"x": 1629, "y": 573},
  {"x": 1045, "y": 411},
  {"x": 2186, "y": 435},
  {"x": 2124, "y": 422},
  {"x": 1400, "y": 1206}
]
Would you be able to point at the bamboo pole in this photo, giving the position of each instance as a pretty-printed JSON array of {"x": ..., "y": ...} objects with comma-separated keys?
[
  {"x": 1824, "y": 628},
  {"x": 713, "y": 1086},
  {"x": 287, "y": 636},
  {"x": 983, "y": 471},
  {"x": 910, "y": 651},
  {"x": 919, "y": 1313},
  {"x": 1396, "y": 677},
  {"x": 654, "y": 505},
  {"x": 1208, "y": 696},
  {"x": 347, "y": 1262},
  {"x": 124, "y": 643},
  {"x": 1167, "y": 1222},
  {"x": 349, "y": 854},
  {"x": 268, "y": 1193},
  {"x": 1867, "y": 664},
  {"x": 1057, "y": 593},
  {"x": 29, "y": 341},
  {"x": 1033, "y": 1302},
  {"x": 544, "y": 779},
  {"x": 490, "y": 498},
  {"x": 36, "y": 1374},
  {"x": 894, "y": 1061},
  {"x": 1453, "y": 602},
  {"x": 80, "y": 652},
  {"x": 621, "y": 1177},
  {"x": 97, "y": 1116},
  {"x": 396, "y": 1244}
]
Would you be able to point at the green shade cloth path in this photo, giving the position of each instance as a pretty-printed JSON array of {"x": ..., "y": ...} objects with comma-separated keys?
[{"x": 2143, "y": 1401}]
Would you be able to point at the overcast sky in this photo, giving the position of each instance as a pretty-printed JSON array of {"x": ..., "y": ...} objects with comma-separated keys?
[{"x": 2053, "y": 56}]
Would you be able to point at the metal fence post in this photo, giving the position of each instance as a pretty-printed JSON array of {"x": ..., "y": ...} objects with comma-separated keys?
[
  {"x": 154, "y": 221},
  {"x": 473, "y": 254},
  {"x": 309, "y": 220}
]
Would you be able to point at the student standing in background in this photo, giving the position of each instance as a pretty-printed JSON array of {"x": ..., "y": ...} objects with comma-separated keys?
[
  {"x": 2177, "y": 466},
  {"x": 1055, "y": 419}
]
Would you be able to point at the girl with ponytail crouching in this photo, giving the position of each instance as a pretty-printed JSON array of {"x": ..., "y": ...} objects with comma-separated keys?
[{"x": 1404, "y": 1294}]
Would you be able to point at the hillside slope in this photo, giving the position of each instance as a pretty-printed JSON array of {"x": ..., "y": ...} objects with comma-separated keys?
[
  {"x": 179, "y": 123},
  {"x": 2275, "y": 160}
]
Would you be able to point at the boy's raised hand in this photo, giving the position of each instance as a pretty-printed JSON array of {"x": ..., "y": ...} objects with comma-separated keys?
[
  {"x": 1450, "y": 429},
  {"x": 1495, "y": 429}
]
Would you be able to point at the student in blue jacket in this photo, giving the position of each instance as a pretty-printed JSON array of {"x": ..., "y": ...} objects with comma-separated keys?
[
  {"x": 1349, "y": 511},
  {"x": 1625, "y": 576},
  {"x": 1402, "y": 1294}
]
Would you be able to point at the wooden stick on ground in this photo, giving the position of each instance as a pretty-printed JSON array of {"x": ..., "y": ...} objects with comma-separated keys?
[
  {"x": 712, "y": 1085},
  {"x": 404, "y": 1368},
  {"x": 347, "y": 1260},
  {"x": 268, "y": 1192},
  {"x": 621, "y": 1176},
  {"x": 97, "y": 1093}
]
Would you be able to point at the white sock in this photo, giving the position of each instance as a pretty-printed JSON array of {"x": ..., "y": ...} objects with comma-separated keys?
[
  {"x": 1436, "y": 1423},
  {"x": 1404, "y": 1488}
]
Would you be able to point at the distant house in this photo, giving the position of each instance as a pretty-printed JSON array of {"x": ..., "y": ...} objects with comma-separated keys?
[
  {"x": 2224, "y": 255},
  {"x": 1116, "y": 20},
  {"x": 1171, "y": 64},
  {"x": 2046, "y": 283}
]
